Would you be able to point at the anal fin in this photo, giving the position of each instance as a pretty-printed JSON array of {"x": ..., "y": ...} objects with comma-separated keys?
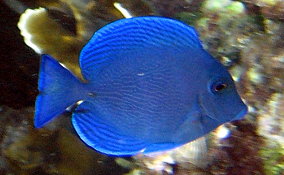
[{"x": 101, "y": 136}]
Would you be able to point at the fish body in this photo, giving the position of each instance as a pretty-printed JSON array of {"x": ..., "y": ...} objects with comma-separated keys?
[{"x": 150, "y": 87}]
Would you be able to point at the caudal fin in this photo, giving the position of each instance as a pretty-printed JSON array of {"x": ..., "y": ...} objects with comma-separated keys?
[{"x": 58, "y": 88}]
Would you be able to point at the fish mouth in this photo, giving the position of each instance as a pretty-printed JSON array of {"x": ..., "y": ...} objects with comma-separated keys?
[{"x": 241, "y": 114}]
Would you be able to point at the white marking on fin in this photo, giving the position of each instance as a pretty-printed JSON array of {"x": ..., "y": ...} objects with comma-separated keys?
[{"x": 141, "y": 74}]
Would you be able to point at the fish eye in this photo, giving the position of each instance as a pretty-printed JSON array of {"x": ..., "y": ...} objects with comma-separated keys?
[{"x": 220, "y": 86}]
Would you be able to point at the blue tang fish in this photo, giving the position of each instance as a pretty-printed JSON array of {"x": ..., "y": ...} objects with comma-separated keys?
[{"x": 150, "y": 87}]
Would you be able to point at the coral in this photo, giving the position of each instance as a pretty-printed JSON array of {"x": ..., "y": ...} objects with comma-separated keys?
[
  {"x": 61, "y": 28},
  {"x": 171, "y": 8},
  {"x": 191, "y": 157},
  {"x": 272, "y": 9},
  {"x": 272, "y": 119},
  {"x": 220, "y": 34},
  {"x": 52, "y": 150},
  {"x": 240, "y": 152},
  {"x": 234, "y": 154},
  {"x": 264, "y": 90},
  {"x": 273, "y": 159},
  {"x": 46, "y": 36}
]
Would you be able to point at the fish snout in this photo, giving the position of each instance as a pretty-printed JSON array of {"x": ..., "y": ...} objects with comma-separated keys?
[{"x": 242, "y": 113}]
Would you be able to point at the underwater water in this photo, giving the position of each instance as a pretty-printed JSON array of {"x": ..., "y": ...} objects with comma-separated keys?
[{"x": 246, "y": 36}]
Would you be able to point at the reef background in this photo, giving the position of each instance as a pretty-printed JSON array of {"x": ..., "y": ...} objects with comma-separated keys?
[{"x": 245, "y": 35}]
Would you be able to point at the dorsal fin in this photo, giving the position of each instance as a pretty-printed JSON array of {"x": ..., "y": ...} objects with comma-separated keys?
[{"x": 139, "y": 33}]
